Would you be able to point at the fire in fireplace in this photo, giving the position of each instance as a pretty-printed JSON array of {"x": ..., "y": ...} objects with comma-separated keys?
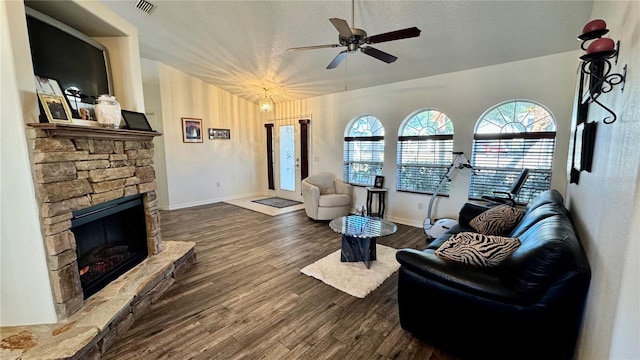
[{"x": 111, "y": 238}]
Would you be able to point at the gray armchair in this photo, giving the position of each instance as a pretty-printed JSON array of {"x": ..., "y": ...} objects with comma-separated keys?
[{"x": 325, "y": 197}]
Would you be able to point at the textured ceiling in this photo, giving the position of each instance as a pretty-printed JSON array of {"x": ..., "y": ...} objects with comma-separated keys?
[{"x": 240, "y": 46}]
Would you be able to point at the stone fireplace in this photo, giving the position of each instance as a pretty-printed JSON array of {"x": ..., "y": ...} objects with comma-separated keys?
[
  {"x": 75, "y": 168},
  {"x": 96, "y": 190}
]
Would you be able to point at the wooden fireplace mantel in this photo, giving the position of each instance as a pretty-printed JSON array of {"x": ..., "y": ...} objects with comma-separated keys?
[{"x": 68, "y": 131}]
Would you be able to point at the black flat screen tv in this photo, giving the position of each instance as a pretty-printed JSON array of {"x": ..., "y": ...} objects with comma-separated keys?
[{"x": 78, "y": 63}]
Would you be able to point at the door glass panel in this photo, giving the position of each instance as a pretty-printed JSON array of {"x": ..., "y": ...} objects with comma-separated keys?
[{"x": 287, "y": 158}]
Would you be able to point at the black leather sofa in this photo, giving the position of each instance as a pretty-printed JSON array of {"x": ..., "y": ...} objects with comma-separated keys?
[{"x": 528, "y": 307}]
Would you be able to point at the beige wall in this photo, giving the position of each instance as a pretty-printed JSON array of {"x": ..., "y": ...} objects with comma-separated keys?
[
  {"x": 606, "y": 203},
  {"x": 193, "y": 170},
  {"x": 215, "y": 170},
  {"x": 25, "y": 292},
  {"x": 463, "y": 96}
]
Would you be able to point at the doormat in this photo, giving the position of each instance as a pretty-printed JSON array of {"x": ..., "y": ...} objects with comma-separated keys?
[{"x": 277, "y": 202}]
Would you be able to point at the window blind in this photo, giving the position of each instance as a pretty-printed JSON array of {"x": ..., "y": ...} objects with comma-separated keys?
[
  {"x": 363, "y": 159},
  {"x": 422, "y": 161},
  {"x": 498, "y": 159}
]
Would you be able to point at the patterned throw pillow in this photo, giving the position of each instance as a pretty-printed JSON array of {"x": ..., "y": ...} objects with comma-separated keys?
[
  {"x": 477, "y": 249},
  {"x": 497, "y": 221}
]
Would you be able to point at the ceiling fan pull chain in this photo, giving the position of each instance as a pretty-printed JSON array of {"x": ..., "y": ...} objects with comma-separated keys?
[{"x": 345, "y": 76}]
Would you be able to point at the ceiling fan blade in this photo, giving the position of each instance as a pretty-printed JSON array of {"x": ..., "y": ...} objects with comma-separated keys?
[
  {"x": 338, "y": 59},
  {"x": 342, "y": 27},
  {"x": 314, "y": 47},
  {"x": 394, "y": 35},
  {"x": 379, "y": 54}
]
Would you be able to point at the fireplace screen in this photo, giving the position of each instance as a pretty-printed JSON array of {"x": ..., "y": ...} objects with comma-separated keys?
[{"x": 111, "y": 238}]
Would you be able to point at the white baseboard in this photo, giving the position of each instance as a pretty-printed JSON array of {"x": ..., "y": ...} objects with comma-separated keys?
[{"x": 209, "y": 201}]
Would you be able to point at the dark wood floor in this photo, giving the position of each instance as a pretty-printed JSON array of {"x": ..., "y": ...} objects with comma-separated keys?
[{"x": 246, "y": 298}]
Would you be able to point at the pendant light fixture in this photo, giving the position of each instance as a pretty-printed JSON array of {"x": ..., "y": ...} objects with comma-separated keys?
[{"x": 265, "y": 104}]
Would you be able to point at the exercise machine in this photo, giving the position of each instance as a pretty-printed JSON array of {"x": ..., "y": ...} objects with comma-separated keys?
[
  {"x": 509, "y": 197},
  {"x": 433, "y": 229}
]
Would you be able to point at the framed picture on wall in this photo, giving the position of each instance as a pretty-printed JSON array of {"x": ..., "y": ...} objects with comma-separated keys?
[
  {"x": 191, "y": 130},
  {"x": 585, "y": 137},
  {"x": 219, "y": 134},
  {"x": 583, "y": 132}
]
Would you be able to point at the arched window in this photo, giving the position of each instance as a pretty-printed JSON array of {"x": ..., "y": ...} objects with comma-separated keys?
[
  {"x": 509, "y": 137},
  {"x": 425, "y": 146},
  {"x": 363, "y": 150}
]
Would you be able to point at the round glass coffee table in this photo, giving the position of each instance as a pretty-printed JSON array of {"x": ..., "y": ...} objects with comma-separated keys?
[{"x": 359, "y": 234}]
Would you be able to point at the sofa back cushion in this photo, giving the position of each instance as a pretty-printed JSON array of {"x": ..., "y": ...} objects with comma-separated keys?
[
  {"x": 535, "y": 215},
  {"x": 545, "y": 197},
  {"x": 549, "y": 247}
]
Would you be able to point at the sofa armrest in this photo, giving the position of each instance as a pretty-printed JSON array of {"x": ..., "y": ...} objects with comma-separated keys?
[
  {"x": 481, "y": 282},
  {"x": 468, "y": 212},
  {"x": 342, "y": 187}
]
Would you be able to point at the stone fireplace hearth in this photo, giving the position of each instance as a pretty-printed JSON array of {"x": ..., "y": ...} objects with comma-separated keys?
[{"x": 74, "y": 168}]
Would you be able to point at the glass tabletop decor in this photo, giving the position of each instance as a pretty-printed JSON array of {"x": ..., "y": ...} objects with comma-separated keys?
[{"x": 363, "y": 226}]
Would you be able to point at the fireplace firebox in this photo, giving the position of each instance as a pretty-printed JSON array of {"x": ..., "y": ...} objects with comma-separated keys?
[{"x": 110, "y": 240}]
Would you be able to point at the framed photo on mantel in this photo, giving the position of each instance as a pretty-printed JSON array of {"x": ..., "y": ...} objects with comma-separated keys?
[{"x": 55, "y": 108}]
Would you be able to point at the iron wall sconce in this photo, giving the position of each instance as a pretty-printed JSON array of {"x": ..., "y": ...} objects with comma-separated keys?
[{"x": 596, "y": 64}]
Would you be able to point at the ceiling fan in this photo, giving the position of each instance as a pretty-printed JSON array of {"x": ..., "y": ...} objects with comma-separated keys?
[{"x": 356, "y": 39}]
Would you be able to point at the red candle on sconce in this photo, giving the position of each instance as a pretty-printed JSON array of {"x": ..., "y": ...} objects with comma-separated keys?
[
  {"x": 593, "y": 25},
  {"x": 592, "y": 30},
  {"x": 600, "y": 45}
]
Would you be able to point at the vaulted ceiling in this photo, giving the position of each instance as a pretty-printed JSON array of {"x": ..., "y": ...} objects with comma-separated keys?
[{"x": 241, "y": 46}]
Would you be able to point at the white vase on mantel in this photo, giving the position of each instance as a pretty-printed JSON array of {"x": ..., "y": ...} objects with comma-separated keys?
[{"x": 108, "y": 111}]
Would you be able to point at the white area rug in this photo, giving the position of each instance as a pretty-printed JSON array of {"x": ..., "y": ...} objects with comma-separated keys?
[
  {"x": 353, "y": 277},
  {"x": 247, "y": 203}
]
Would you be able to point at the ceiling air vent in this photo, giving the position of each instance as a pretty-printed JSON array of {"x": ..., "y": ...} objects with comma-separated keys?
[{"x": 145, "y": 6}]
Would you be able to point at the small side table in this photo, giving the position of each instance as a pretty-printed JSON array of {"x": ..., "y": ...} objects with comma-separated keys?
[{"x": 382, "y": 194}]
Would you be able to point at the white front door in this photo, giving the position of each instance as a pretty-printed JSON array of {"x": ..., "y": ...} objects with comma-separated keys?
[{"x": 287, "y": 161}]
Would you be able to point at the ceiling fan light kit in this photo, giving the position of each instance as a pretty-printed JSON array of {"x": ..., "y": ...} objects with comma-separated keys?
[{"x": 355, "y": 39}]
